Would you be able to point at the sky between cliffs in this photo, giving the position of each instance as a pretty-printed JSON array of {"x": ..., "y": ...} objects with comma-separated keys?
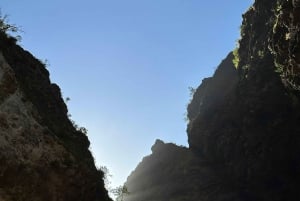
[{"x": 127, "y": 64}]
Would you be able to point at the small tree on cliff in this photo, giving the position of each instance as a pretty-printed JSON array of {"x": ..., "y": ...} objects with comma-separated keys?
[
  {"x": 8, "y": 29},
  {"x": 119, "y": 192}
]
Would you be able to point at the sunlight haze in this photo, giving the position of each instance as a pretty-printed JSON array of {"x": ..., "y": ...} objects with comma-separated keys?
[{"x": 127, "y": 65}]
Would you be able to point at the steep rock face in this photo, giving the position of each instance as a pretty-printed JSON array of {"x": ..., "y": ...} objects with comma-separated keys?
[
  {"x": 284, "y": 42},
  {"x": 43, "y": 157},
  {"x": 244, "y": 123},
  {"x": 254, "y": 134},
  {"x": 211, "y": 94}
]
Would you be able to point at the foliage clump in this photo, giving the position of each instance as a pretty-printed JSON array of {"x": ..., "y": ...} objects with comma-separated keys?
[
  {"x": 10, "y": 30},
  {"x": 236, "y": 58}
]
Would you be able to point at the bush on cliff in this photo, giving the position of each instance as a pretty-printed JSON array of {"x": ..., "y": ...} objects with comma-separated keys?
[{"x": 11, "y": 30}]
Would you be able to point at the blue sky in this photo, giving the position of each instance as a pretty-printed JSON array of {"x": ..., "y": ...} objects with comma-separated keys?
[{"x": 127, "y": 65}]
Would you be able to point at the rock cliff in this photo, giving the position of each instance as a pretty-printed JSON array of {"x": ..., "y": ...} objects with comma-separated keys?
[
  {"x": 42, "y": 156},
  {"x": 169, "y": 173},
  {"x": 243, "y": 129}
]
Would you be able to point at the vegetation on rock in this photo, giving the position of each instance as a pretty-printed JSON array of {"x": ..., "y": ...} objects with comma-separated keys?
[{"x": 9, "y": 29}]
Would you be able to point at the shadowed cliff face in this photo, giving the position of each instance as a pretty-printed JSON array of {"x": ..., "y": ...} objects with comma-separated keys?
[
  {"x": 43, "y": 157},
  {"x": 178, "y": 173},
  {"x": 209, "y": 96},
  {"x": 169, "y": 173},
  {"x": 244, "y": 124},
  {"x": 255, "y": 133}
]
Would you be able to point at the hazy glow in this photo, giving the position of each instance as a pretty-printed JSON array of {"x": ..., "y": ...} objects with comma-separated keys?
[{"x": 127, "y": 65}]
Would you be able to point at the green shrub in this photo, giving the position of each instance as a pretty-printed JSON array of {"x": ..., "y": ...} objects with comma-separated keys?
[{"x": 236, "y": 58}]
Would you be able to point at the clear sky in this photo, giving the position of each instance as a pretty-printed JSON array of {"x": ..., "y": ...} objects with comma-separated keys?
[{"x": 127, "y": 64}]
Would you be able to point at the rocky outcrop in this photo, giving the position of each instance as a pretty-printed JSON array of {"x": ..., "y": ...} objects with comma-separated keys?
[
  {"x": 43, "y": 157},
  {"x": 169, "y": 173},
  {"x": 244, "y": 123},
  {"x": 174, "y": 173}
]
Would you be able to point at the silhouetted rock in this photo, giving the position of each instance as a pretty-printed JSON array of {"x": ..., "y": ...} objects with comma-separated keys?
[
  {"x": 211, "y": 95},
  {"x": 42, "y": 156},
  {"x": 243, "y": 124},
  {"x": 169, "y": 173}
]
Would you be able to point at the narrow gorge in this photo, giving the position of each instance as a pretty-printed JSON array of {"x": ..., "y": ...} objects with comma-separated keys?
[{"x": 243, "y": 127}]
